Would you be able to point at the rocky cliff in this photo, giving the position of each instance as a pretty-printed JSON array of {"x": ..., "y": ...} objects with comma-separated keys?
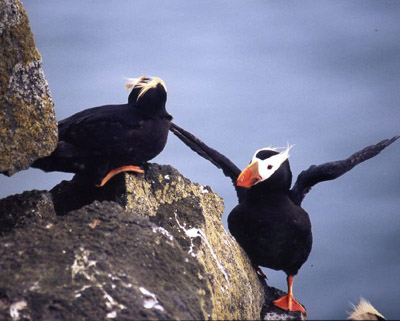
[
  {"x": 146, "y": 246},
  {"x": 28, "y": 127}
]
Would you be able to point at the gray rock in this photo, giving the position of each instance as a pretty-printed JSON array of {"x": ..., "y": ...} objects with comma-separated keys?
[
  {"x": 28, "y": 127},
  {"x": 146, "y": 246},
  {"x": 96, "y": 263}
]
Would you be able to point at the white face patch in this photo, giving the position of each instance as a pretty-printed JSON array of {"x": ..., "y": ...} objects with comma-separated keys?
[{"x": 269, "y": 166}]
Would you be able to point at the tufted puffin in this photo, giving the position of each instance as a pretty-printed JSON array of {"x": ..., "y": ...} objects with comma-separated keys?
[
  {"x": 101, "y": 142},
  {"x": 269, "y": 222}
]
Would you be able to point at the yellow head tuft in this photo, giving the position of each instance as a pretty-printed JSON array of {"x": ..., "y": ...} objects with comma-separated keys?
[
  {"x": 145, "y": 84},
  {"x": 365, "y": 311}
]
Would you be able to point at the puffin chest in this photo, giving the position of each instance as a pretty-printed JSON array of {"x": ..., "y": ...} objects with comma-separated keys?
[
  {"x": 275, "y": 218},
  {"x": 149, "y": 139}
]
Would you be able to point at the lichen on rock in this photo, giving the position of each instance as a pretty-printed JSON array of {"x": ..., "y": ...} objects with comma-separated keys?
[
  {"x": 146, "y": 246},
  {"x": 28, "y": 127},
  {"x": 192, "y": 213},
  {"x": 118, "y": 268}
]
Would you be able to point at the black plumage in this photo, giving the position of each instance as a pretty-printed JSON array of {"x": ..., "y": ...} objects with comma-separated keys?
[
  {"x": 269, "y": 222},
  {"x": 271, "y": 228},
  {"x": 98, "y": 140}
]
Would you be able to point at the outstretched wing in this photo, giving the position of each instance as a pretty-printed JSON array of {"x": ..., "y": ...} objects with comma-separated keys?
[
  {"x": 220, "y": 161},
  {"x": 332, "y": 170}
]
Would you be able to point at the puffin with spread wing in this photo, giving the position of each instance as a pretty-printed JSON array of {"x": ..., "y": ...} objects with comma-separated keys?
[
  {"x": 269, "y": 222},
  {"x": 100, "y": 142}
]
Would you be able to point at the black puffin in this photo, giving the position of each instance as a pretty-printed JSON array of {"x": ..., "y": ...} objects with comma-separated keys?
[
  {"x": 273, "y": 230},
  {"x": 269, "y": 222},
  {"x": 101, "y": 142}
]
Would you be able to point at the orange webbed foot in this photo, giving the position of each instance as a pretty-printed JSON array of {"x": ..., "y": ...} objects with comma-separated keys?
[
  {"x": 289, "y": 303},
  {"x": 112, "y": 173}
]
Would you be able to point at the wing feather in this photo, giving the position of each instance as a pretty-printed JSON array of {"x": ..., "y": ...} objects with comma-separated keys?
[
  {"x": 220, "y": 161},
  {"x": 328, "y": 171},
  {"x": 96, "y": 127}
]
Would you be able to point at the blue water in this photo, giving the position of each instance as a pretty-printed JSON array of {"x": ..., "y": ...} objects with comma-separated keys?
[{"x": 323, "y": 75}]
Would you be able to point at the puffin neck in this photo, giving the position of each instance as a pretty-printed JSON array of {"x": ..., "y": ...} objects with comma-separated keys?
[{"x": 263, "y": 189}]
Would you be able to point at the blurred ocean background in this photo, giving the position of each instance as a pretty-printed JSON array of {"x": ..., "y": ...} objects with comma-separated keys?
[{"x": 241, "y": 75}]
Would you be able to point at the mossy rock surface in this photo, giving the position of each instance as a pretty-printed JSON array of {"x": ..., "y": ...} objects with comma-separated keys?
[
  {"x": 28, "y": 127},
  {"x": 189, "y": 213},
  {"x": 146, "y": 246}
]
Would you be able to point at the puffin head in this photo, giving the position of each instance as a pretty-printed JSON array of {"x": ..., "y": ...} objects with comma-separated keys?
[
  {"x": 264, "y": 164},
  {"x": 364, "y": 311},
  {"x": 147, "y": 90}
]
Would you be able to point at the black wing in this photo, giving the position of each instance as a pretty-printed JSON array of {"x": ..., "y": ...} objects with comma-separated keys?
[
  {"x": 94, "y": 128},
  {"x": 220, "y": 161},
  {"x": 332, "y": 170}
]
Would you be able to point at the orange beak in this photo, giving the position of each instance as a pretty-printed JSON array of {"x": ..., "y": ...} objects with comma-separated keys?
[{"x": 249, "y": 176}]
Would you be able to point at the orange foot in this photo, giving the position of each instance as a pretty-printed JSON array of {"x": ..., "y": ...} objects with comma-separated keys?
[
  {"x": 127, "y": 168},
  {"x": 288, "y": 302}
]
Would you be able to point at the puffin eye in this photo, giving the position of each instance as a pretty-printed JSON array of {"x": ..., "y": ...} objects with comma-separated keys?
[{"x": 269, "y": 166}]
